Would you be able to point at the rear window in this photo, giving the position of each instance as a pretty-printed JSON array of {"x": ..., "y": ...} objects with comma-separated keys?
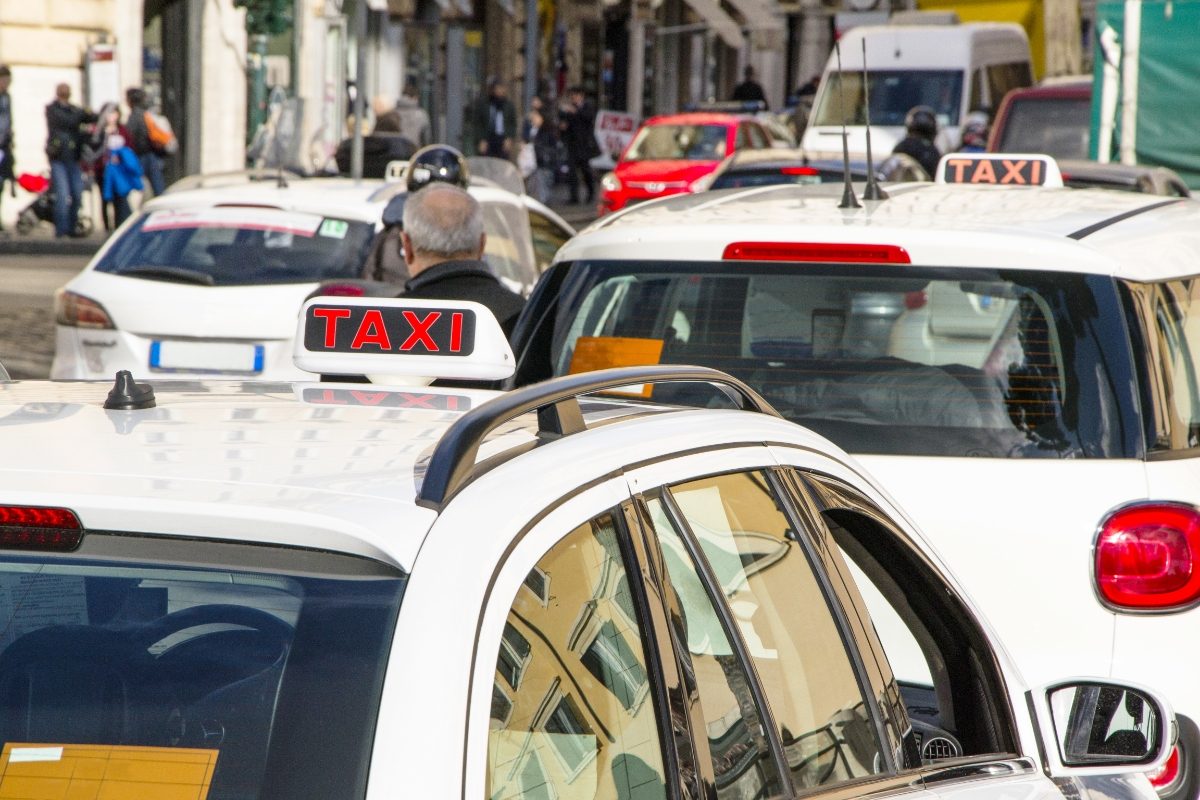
[
  {"x": 931, "y": 362},
  {"x": 893, "y": 93},
  {"x": 227, "y": 246},
  {"x": 747, "y": 178},
  {"x": 1058, "y": 127},
  {"x": 224, "y": 671},
  {"x": 678, "y": 142}
]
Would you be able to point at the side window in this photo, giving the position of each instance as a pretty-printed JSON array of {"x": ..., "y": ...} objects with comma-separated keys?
[
  {"x": 749, "y": 552},
  {"x": 547, "y": 238},
  {"x": 1175, "y": 356},
  {"x": 943, "y": 666},
  {"x": 571, "y": 713},
  {"x": 759, "y": 138},
  {"x": 1003, "y": 78},
  {"x": 742, "y": 140},
  {"x": 976, "y": 98}
]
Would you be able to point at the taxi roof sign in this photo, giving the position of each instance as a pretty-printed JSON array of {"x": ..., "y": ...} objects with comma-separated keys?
[
  {"x": 401, "y": 341},
  {"x": 999, "y": 169}
]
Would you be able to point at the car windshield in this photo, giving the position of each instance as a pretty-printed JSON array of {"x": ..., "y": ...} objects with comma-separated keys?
[
  {"x": 893, "y": 93},
  {"x": 130, "y": 670},
  {"x": 228, "y": 246},
  {"x": 1058, "y": 127},
  {"x": 678, "y": 142},
  {"x": 931, "y": 362},
  {"x": 509, "y": 247}
]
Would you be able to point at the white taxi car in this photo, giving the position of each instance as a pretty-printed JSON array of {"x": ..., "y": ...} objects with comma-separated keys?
[
  {"x": 1017, "y": 364},
  {"x": 207, "y": 279},
  {"x": 320, "y": 590}
]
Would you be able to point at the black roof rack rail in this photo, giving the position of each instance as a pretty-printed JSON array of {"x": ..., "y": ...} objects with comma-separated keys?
[{"x": 557, "y": 402}]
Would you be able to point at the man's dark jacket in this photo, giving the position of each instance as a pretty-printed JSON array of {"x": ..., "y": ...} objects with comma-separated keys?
[
  {"x": 64, "y": 127},
  {"x": 467, "y": 280}
]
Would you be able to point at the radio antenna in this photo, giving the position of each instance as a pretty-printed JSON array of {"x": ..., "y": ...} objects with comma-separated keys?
[
  {"x": 872, "y": 192},
  {"x": 848, "y": 198}
]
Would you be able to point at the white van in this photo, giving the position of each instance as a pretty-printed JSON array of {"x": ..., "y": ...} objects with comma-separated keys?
[{"x": 954, "y": 69}]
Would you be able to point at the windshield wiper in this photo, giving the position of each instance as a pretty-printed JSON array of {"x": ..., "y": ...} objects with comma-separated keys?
[{"x": 164, "y": 273}]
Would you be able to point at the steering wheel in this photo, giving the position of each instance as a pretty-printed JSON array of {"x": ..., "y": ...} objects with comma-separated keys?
[{"x": 276, "y": 631}]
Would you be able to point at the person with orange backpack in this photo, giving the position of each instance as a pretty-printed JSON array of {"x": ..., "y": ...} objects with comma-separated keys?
[{"x": 151, "y": 138}]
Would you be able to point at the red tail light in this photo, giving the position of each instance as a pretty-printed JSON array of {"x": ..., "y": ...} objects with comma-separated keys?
[
  {"x": 77, "y": 311},
  {"x": 1168, "y": 772},
  {"x": 39, "y": 528},
  {"x": 818, "y": 252},
  {"x": 1148, "y": 557},
  {"x": 341, "y": 290}
]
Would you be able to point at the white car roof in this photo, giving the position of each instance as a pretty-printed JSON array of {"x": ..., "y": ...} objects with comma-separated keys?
[
  {"x": 1127, "y": 235},
  {"x": 263, "y": 463}
]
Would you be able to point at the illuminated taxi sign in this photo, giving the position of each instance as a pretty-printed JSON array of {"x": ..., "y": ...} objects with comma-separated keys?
[
  {"x": 401, "y": 340},
  {"x": 999, "y": 169}
]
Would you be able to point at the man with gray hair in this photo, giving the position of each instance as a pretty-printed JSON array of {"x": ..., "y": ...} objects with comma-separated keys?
[{"x": 443, "y": 243}]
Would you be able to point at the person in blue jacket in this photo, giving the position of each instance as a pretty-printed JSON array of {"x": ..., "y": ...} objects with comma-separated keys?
[{"x": 122, "y": 175}]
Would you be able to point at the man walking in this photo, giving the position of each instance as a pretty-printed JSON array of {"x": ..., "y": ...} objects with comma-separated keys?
[
  {"x": 413, "y": 120},
  {"x": 495, "y": 120},
  {"x": 7, "y": 173},
  {"x": 146, "y": 140},
  {"x": 443, "y": 243},
  {"x": 577, "y": 122},
  {"x": 749, "y": 90},
  {"x": 64, "y": 126}
]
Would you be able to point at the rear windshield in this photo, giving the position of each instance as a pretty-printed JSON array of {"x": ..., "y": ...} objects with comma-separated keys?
[
  {"x": 931, "y": 362},
  {"x": 1058, "y": 127},
  {"x": 678, "y": 142},
  {"x": 255, "y": 673},
  {"x": 747, "y": 178},
  {"x": 239, "y": 247},
  {"x": 893, "y": 93}
]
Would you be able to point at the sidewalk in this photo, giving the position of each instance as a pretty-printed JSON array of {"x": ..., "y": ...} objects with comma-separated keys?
[
  {"x": 580, "y": 216},
  {"x": 41, "y": 242}
]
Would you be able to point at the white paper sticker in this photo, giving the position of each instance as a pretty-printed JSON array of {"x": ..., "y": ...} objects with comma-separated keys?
[
  {"x": 239, "y": 217},
  {"x": 334, "y": 228},
  {"x": 26, "y": 754}
]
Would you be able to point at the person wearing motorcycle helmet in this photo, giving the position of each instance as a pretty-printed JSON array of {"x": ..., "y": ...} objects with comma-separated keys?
[
  {"x": 436, "y": 163},
  {"x": 921, "y": 124},
  {"x": 975, "y": 132}
]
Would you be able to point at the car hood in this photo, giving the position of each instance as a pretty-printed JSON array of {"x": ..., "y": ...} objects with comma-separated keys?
[
  {"x": 163, "y": 308},
  {"x": 664, "y": 171}
]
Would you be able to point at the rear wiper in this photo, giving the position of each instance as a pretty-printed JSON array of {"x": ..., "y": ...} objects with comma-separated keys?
[{"x": 164, "y": 273}]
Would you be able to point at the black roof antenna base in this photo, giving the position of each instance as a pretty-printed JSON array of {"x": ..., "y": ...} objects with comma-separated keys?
[{"x": 129, "y": 396}]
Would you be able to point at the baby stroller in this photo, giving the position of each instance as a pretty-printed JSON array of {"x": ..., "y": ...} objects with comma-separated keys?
[{"x": 42, "y": 207}]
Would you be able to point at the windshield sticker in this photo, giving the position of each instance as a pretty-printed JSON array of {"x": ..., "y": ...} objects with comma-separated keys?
[
  {"x": 52, "y": 771},
  {"x": 334, "y": 228},
  {"x": 29, "y": 602},
  {"x": 239, "y": 218}
]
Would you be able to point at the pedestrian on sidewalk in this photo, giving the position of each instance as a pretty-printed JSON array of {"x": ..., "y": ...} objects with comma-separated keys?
[
  {"x": 64, "y": 126},
  {"x": 7, "y": 171},
  {"x": 109, "y": 126},
  {"x": 149, "y": 138},
  {"x": 541, "y": 139},
  {"x": 750, "y": 90},
  {"x": 495, "y": 122},
  {"x": 413, "y": 120},
  {"x": 577, "y": 124},
  {"x": 122, "y": 175}
]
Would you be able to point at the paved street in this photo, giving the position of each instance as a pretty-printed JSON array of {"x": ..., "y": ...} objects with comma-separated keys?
[{"x": 27, "y": 284}]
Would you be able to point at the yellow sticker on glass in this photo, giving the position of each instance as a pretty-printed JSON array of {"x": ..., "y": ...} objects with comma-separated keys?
[
  {"x": 97, "y": 772},
  {"x": 605, "y": 352}
]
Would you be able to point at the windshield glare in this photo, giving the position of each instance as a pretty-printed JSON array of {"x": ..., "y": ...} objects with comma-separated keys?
[
  {"x": 933, "y": 362},
  {"x": 893, "y": 94},
  {"x": 1060, "y": 128},
  {"x": 239, "y": 247},
  {"x": 192, "y": 675},
  {"x": 678, "y": 142}
]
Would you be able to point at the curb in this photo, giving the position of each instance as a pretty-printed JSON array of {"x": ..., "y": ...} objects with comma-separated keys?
[{"x": 31, "y": 246}]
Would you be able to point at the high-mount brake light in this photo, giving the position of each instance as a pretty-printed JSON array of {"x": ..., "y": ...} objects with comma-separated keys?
[
  {"x": 1147, "y": 557},
  {"x": 807, "y": 171},
  {"x": 39, "y": 528},
  {"x": 821, "y": 252}
]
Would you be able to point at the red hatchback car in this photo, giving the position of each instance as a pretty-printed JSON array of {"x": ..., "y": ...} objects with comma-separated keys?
[{"x": 671, "y": 152}]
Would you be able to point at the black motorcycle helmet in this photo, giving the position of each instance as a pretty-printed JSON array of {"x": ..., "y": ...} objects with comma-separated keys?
[
  {"x": 436, "y": 162},
  {"x": 921, "y": 121}
]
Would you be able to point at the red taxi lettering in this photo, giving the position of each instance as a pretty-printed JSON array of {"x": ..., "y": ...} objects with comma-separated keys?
[
  {"x": 981, "y": 167},
  {"x": 331, "y": 317},
  {"x": 1012, "y": 171},
  {"x": 418, "y": 401},
  {"x": 420, "y": 331},
  {"x": 371, "y": 331},
  {"x": 456, "y": 324},
  {"x": 959, "y": 165},
  {"x": 369, "y": 398},
  {"x": 330, "y": 397},
  {"x": 1036, "y": 177}
]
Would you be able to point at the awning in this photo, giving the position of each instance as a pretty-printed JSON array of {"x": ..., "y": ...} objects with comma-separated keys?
[
  {"x": 729, "y": 31},
  {"x": 760, "y": 14}
]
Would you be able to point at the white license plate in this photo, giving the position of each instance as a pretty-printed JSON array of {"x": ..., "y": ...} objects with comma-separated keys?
[{"x": 170, "y": 356}]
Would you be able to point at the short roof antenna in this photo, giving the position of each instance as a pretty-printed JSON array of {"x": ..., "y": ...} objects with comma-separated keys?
[
  {"x": 848, "y": 198},
  {"x": 872, "y": 192}
]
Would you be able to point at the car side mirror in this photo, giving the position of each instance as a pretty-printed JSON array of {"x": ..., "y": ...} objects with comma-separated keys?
[{"x": 1097, "y": 725}]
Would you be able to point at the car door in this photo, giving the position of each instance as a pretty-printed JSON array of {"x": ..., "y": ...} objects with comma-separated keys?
[{"x": 777, "y": 697}]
